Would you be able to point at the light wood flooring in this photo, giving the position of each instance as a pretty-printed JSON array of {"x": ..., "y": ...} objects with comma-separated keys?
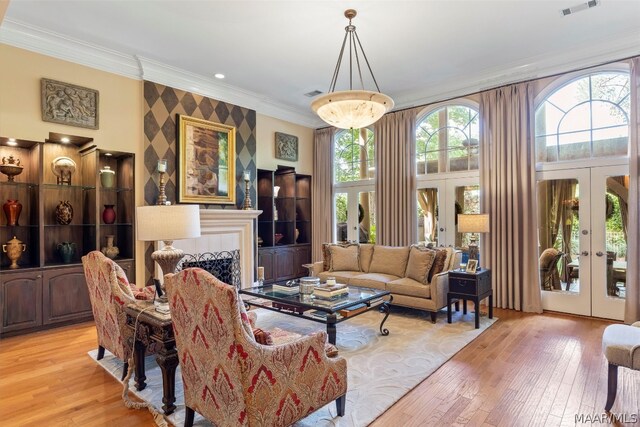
[{"x": 525, "y": 370}]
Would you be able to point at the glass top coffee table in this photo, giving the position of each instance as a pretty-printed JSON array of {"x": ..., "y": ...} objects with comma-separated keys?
[{"x": 330, "y": 312}]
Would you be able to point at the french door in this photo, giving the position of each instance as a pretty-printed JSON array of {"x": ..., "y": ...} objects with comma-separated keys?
[
  {"x": 355, "y": 218},
  {"x": 439, "y": 203},
  {"x": 582, "y": 240}
]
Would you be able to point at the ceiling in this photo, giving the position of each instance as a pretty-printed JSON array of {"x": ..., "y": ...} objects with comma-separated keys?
[{"x": 276, "y": 51}]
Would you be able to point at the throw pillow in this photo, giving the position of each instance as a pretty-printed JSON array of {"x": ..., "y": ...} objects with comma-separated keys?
[
  {"x": 389, "y": 260},
  {"x": 420, "y": 262},
  {"x": 345, "y": 259},
  {"x": 326, "y": 256},
  {"x": 366, "y": 253},
  {"x": 438, "y": 263}
]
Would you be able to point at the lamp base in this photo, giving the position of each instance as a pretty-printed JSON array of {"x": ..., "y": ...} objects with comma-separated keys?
[
  {"x": 162, "y": 304},
  {"x": 473, "y": 251},
  {"x": 168, "y": 257}
]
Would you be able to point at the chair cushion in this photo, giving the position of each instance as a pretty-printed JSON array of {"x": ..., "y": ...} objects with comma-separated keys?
[
  {"x": 372, "y": 280},
  {"x": 147, "y": 293},
  {"x": 281, "y": 336},
  {"x": 409, "y": 287},
  {"x": 389, "y": 260},
  {"x": 438, "y": 263},
  {"x": 345, "y": 258},
  {"x": 621, "y": 345},
  {"x": 420, "y": 262}
]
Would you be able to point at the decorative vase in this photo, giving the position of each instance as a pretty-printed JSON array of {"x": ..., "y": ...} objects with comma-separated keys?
[
  {"x": 12, "y": 209},
  {"x": 107, "y": 177},
  {"x": 110, "y": 251},
  {"x": 11, "y": 167},
  {"x": 14, "y": 249},
  {"x": 109, "y": 214},
  {"x": 66, "y": 251},
  {"x": 64, "y": 213},
  {"x": 297, "y": 235}
]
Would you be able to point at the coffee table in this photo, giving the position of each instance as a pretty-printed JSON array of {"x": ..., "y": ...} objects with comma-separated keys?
[{"x": 300, "y": 306}]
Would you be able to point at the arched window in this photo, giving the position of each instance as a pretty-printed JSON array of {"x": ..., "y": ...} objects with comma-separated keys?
[
  {"x": 354, "y": 155},
  {"x": 447, "y": 140},
  {"x": 585, "y": 118}
]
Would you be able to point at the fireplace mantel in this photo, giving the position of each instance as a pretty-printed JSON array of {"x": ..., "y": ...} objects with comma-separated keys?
[{"x": 227, "y": 230}]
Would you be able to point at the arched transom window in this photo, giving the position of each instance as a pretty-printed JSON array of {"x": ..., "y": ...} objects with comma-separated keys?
[
  {"x": 585, "y": 118},
  {"x": 447, "y": 140}
]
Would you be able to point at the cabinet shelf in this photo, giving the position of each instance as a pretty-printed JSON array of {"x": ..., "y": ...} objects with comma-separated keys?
[
  {"x": 115, "y": 190},
  {"x": 18, "y": 226},
  {"x": 69, "y": 225},
  {"x": 67, "y": 187},
  {"x": 18, "y": 184},
  {"x": 117, "y": 224}
]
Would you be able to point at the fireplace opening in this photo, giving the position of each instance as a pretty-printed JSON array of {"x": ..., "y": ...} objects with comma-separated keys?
[{"x": 224, "y": 265}]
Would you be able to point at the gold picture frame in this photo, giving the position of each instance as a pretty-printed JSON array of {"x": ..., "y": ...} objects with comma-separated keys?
[{"x": 206, "y": 162}]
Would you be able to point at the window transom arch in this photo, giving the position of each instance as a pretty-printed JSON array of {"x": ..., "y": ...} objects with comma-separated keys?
[
  {"x": 447, "y": 139},
  {"x": 585, "y": 117}
]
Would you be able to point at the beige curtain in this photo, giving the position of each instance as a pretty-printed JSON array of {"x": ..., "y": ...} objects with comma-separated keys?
[
  {"x": 321, "y": 194},
  {"x": 508, "y": 195},
  {"x": 396, "y": 206},
  {"x": 632, "y": 307}
]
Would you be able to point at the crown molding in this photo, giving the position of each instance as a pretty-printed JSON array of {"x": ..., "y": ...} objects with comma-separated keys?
[
  {"x": 534, "y": 67},
  {"x": 56, "y": 45},
  {"x": 53, "y": 44},
  {"x": 158, "y": 72}
]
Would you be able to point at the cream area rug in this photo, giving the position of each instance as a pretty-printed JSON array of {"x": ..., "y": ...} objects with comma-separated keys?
[{"x": 381, "y": 369}]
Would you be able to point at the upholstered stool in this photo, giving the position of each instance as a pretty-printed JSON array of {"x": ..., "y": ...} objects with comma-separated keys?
[{"x": 621, "y": 347}]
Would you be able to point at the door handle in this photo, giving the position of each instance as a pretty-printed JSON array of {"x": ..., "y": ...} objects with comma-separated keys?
[
  {"x": 441, "y": 229},
  {"x": 599, "y": 253},
  {"x": 585, "y": 253}
]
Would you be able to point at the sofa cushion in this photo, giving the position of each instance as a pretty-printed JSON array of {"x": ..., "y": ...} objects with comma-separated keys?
[
  {"x": 438, "y": 263},
  {"x": 372, "y": 280},
  {"x": 326, "y": 254},
  {"x": 345, "y": 258},
  {"x": 448, "y": 262},
  {"x": 420, "y": 263},
  {"x": 389, "y": 260},
  {"x": 410, "y": 287},
  {"x": 366, "y": 253},
  {"x": 343, "y": 277}
]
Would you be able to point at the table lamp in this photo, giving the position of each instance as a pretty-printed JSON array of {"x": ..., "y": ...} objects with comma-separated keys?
[
  {"x": 473, "y": 223},
  {"x": 167, "y": 223}
]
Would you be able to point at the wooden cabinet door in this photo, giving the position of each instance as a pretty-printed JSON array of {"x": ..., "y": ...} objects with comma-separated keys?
[
  {"x": 65, "y": 295},
  {"x": 266, "y": 260},
  {"x": 21, "y": 300},
  {"x": 303, "y": 256},
  {"x": 285, "y": 263}
]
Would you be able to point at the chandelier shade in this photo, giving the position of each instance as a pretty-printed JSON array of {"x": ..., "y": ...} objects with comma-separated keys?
[{"x": 352, "y": 109}]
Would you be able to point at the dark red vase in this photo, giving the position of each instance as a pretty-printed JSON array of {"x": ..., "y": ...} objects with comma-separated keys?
[
  {"x": 12, "y": 209},
  {"x": 109, "y": 214}
]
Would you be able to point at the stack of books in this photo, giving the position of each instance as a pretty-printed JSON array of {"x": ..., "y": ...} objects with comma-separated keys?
[
  {"x": 330, "y": 292},
  {"x": 353, "y": 310},
  {"x": 286, "y": 290}
]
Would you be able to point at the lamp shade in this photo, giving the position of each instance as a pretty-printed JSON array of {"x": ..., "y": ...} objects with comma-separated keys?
[
  {"x": 352, "y": 109},
  {"x": 473, "y": 223},
  {"x": 173, "y": 222}
]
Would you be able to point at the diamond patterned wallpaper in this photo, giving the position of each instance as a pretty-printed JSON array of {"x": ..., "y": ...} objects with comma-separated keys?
[{"x": 162, "y": 103}]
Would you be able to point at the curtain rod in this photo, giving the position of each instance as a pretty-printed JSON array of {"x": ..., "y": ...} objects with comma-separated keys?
[{"x": 533, "y": 79}]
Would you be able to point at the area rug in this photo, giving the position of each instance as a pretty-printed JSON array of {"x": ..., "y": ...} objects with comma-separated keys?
[{"x": 381, "y": 369}]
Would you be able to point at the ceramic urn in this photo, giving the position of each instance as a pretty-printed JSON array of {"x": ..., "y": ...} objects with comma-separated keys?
[{"x": 14, "y": 249}]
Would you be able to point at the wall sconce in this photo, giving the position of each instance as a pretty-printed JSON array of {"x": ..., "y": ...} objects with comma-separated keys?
[{"x": 162, "y": 169}]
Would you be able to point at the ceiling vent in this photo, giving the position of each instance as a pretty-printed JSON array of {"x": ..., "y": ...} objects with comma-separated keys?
[
  {"x": 580, "y": 7},
  {"x": 313, "y": 93}
]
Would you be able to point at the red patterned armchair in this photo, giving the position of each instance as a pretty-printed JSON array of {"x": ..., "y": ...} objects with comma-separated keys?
[
  {"x": 109, "y": 291},
  {"x": 231, "y": 379}
]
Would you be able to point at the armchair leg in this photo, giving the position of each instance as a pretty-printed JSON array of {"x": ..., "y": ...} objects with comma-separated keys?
[
  {"x": 100, "y": 352},
  {"x": 612, "y": 387},
  {"x": 188, "y": 417},
  {"x": 125, "y": 369},
  {"x": 433, "y": 316},
  {"x": 340, "y": 405}
]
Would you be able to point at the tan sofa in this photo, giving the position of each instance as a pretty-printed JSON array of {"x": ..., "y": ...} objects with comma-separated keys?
[{"x": 417, "y": 277}]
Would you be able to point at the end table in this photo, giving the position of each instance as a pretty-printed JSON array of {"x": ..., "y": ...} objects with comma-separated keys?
[{"x": 470, "y": 286}]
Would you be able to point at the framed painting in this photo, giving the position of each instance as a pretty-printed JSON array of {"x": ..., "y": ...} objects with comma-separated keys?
[
  {"x": 286, "y": 147},
  {"x": 69, "y": 104},
  {"x": 206, "y": 162}
]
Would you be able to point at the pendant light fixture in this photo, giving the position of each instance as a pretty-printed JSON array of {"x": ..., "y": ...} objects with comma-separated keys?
[{"x": 352, "y": 109}]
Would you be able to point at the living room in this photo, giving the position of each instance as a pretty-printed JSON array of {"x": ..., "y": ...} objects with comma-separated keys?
[{"x": 536, "y": 138}]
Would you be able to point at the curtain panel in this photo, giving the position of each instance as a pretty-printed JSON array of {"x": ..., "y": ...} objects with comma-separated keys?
[
  {"x": 508, "y": 195},
  {"x": 322, "y": 190},
  {"x": 396, "y": 205},
  {"x": 632, "y": 303}
]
